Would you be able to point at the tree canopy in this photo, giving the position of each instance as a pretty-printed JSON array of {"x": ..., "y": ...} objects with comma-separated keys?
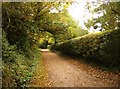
[
  {"x": 25, "y": 20},
  {"x": 109, "y": 19}
]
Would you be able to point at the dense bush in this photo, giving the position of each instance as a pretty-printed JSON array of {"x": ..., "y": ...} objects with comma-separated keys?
[
  {"x": 102, "y": 47},
  {"x": 17, "y": 68}
]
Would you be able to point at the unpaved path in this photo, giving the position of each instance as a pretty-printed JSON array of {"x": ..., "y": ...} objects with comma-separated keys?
[{"x": 66, "y": 72}]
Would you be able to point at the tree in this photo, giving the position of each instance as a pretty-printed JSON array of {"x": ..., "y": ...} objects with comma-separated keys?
[{"x": 110, "y": 18}]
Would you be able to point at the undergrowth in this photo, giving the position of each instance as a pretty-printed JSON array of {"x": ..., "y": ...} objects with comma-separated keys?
[{"x": 17, "y": 68}]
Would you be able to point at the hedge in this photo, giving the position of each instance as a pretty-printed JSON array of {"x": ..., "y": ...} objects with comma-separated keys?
[{"x": 101, "y": 47}]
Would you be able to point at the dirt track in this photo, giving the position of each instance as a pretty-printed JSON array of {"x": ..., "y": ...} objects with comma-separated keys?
[{"x": 67, "y": 72}]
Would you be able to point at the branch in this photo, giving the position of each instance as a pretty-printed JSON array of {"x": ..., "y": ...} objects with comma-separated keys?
[{"x": 115, "y": 11}]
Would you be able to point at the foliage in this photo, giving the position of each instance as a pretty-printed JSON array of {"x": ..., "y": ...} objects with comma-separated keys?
[
  {"x": 0, "y": 42},
  {"x": 46, "y": 39},
  {"x": 23, "y": 26},
  {"x": 19, "y": 31},
  {"x": 19, "y": 53},
  {"x": 17, "y": 69},
  {"x": 110, "y": 17},
  {"x": 102, "y": 47},
  {"x": 62, "y": 26}
]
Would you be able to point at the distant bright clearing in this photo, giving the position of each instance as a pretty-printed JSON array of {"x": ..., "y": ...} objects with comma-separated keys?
[{"x": 81, "y": 14}]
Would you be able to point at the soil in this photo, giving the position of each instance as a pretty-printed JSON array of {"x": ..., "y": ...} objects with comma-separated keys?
[{"x": 63, "y": 71}]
